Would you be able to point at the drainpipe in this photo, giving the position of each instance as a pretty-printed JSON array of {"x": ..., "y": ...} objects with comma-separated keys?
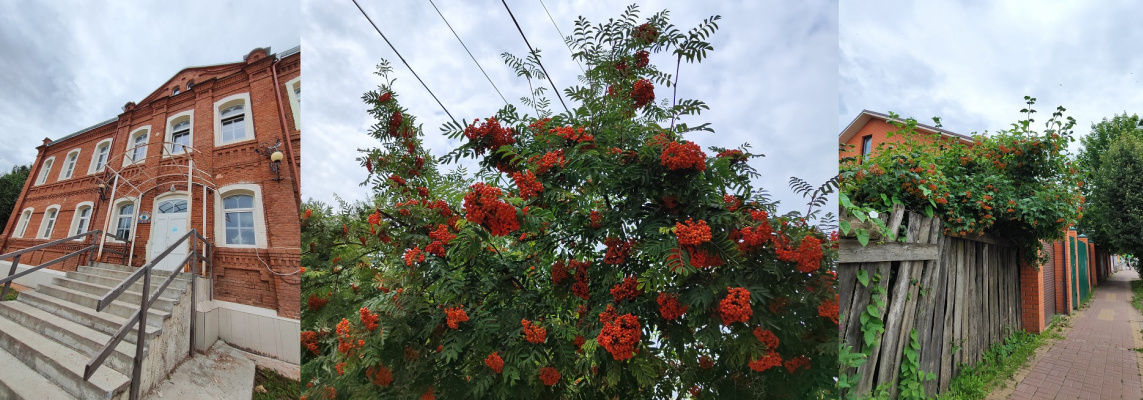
[
  {"x": 286, "y": 135},
  {"x": 24, "y": 195}
]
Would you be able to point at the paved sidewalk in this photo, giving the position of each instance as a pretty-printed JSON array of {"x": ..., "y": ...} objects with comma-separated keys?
[{"x": 1097, "y": 359}]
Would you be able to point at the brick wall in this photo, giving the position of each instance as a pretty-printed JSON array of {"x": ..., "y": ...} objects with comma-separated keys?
[{"x": 1032, "y": 292}]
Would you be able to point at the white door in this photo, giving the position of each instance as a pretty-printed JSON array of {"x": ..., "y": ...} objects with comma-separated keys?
[{"x": 167, "y": 226}]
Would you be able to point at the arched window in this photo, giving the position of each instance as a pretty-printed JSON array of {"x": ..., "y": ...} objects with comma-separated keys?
[
  {"x": 232, "y": 126},
  {"x": 233, "y": 121},
  {"x": 124, "y": 217},
  {"x": 81, "y": 221},
  {"x": 69, "y": 164},
  {"x": 294, "y": 91},
  {"x": 25, "y": 218},
  {"x": 175, "y": 92},
  {"x": 48, "y": 223},
  {"x": 45, "y": 170},
  {"x": 137, "y": 146},
  {"x": 99, "y": 158},
  {"x": 180, "y": 133},
  {"x": 239, "y": 216}
]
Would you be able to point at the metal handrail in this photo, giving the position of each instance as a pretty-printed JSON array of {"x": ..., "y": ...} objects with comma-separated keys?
[
  {"x": 146, "y": 299},
  {"x": 15, "y": 256}
]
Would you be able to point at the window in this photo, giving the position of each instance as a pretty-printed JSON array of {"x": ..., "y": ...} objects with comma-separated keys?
[
  {"x": 239, "y": 216},
  {"x": 232, "y": 126},
  {"x": 69, "y": 164},
  {"x": 239, "y": 219},
  {"x": 81, "y": 221},
  {"x": 294, "y": 91},
  {"x": 298, "y": 93},
  {"x": 176, "y": 91},
  {"x": 22, "y": 227},
  {"x": 124, "y": 216},
  {"x": 190, "y": 85},
  {"x": 48, "y": 223},
  {"x": 99, "y": 158},
  {"x": 233, "y": 121},
  {"x": 180, "y": 133},
  {"x": 137, "y": 146},
  {"x": 45, "y": 170},
  {"x": 866, "y": 146}
]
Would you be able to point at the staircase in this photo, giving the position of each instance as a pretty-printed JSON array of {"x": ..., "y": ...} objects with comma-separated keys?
[{"x": 47, "y": 336}]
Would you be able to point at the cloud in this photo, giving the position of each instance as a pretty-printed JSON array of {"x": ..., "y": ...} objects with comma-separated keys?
[
  {"x": 771, "y": 80},
  {"x": 972, "y": 63},
  {"x": 71, "y": 64}
]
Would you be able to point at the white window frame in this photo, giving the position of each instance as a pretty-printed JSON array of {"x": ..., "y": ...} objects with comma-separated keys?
[
  {"x": 129, "y": 151},
  {"x": 168, "y": 146},
  {"x": 45, "y": 170},
  {"x": 295, "y": 101},
  {"x": 92, "y": 168},
  {"x": 247, "y": 117},
  {"x": 114, "y": 225},
  {"x": 47, "y": 226},
  {"x": 69, "y": 170},
  {"x": 25, "y": 220},
  {"x": 74, "y": 230},
  {"x": 260, "y": 238}
]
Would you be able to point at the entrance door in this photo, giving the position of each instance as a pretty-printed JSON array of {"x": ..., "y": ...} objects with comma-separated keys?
[
  {"x": 169, "y": 225},
  {"x": 1072, "y": 267},
  {"x": 1084, "y": 274}
]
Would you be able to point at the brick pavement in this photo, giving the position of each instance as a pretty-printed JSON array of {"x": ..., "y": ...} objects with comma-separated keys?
[{"x": 1096, "y": 359}]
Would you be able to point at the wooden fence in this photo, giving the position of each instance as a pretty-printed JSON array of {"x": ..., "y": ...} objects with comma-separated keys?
[{"x": 960, "y": 294}]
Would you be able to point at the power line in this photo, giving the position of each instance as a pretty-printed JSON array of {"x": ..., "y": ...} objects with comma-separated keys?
[
  {"x": 469, "y": 52},
  {"x": 562, "y": 36},
  {"x": 405, "y": 62},
  {"x": 533, "y": 52}
]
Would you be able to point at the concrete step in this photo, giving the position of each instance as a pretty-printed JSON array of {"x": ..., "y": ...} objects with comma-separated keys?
[
  {"x": 180, "y": 282},
  {"x": 165, "y": 302},
  {"x": 24, "y": 383},
  {"x": 119, "y": 308},
  {"x": 76, "y": 336},
  {"x": 175, "y": 290},
  {"x": 124, "y": 268},
  {"x": 103, "y": 322},
  {"x": 60, "y": 364}
]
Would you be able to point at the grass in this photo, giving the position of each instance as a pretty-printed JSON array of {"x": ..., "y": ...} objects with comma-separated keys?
[
  {"x": 1000, "y": 363},
  {"x": 12, "y": 293},
  {"x": 1137, "y": 298},
  {"x": 277, "y": 387}
]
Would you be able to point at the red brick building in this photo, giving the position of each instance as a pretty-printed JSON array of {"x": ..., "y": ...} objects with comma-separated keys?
[
  {"x": 194, "y": 154},
  {"x": 870, "y": 129}
]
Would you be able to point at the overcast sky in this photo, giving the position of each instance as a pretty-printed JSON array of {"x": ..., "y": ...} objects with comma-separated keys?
[
  {"x": 972, "y": 63},
  {"x": 771, "y": 80},
  {"x": 68, "y": 65}
]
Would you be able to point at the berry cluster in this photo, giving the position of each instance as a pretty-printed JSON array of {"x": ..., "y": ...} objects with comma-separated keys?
[
  {"x": 456, "y": 315},
  {"x": 369, "y": 319},
  {"x": 642, "y": 59},
  {"x": 309, "y": 341},
  {"x": 643, "y": 93},
  {"x": 767, "y": 338},
  {"x": 549, "y": 376},
  {"x": 692, "y": 233},
  {"x": 395, "y": 123},
  {"x": 528, "y": 185},
  {"x": 495, "y": 362},
  {"x": 596, "y": 219},
  {"x": 705, "y": 362},
  {"x": 559, "y": 273},
  {"x": 769, "y": 360},
  {"x": 797, "y": 363},
  {"x": 732, "y": 202},
  {"x": 483, "y": 206},
  {"x": 681, "y": 156},
  {"x": 703, "y": 259},
  {"x": 578, "y": 343},
  {"x": 620, "y": 336},
  {"x": 398, "y": 180},
  {"x": 317, "y": 303},
  {"x": 750, "y": 239},
  {"x": 828, "y": 309},
  {"x": 414, "y": 255},
  {"x": 736, "y": 306},
  {"x": 534, "y": 333},
  {"x": 379, "y": 375},
  {"x": 344, "y": 342},
  {"x": 733, "y": 154},
  {"x": 808, "y": 255},
  {"x": 548, "y": 161},
  {"x": 572, "y": 134},
  {"x": 441, "y": 237},
  {"x": 428, "y": 395},
  {"x": 489, "y": 135},
  {"x": 645, "y": 34},
  {"x": 579, "y": 288},
  {"x": 617, "y": 250},
  {"x": 627, "y": 290},
  {"x": 385, "y": 97},
  {"x": 669, "y": 306}
]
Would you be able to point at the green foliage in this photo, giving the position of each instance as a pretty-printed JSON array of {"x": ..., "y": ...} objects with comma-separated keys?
[
  {"x": 999, "y": 364},
  {"x": 11, "y": 184},
  {"x": 274, "y": 385},
  {"x": 1117, "y": 197},
  {"x": 610, "y": 200},
  {"x": 1016, "y": 183},
  {"x": 912, "y": 377}
]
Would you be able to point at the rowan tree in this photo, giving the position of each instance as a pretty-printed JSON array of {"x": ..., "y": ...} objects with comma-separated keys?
[{"x": 596, "y": 253}]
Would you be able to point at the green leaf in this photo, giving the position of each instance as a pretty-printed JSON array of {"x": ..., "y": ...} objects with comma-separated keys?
[
  {"x": 863, "y": 277},
  {"x": 863, "y": 237},
  {"x": 844, "y": 225}
]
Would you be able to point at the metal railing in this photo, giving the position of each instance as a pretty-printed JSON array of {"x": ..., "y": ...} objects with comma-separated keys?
[
  {"x": 15, "y": 256},
  {"x": 146, "y": 299},
  {"x": 123, "y": 255}
]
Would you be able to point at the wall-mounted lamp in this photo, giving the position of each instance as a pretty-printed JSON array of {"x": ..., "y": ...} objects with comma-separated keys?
[
  {"x": 102, "y": 191},
  {"x": 275, "y": 158}
]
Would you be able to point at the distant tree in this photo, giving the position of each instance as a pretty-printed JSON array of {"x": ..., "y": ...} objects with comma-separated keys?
[
  {"x": 1118, "y": 193},
  {"x": 11, "y": 184},
  {"x": 1090, "y": 160}
]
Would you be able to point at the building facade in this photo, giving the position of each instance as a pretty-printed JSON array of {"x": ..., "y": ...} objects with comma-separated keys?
[
  {"x": 197, "y": 153},
  {"x": 871, "y": 129}
]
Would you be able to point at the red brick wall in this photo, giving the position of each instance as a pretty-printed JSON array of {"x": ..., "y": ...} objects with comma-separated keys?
[
  {"x": 1059, "y": 263},
  {"x": 879, "y": 130},
  {"x": 1032, "y": 316},
  {"x": 240, "y": 276}
]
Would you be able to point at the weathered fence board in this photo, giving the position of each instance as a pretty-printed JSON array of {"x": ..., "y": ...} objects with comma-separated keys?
[{"x": 961, "y": 294}]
